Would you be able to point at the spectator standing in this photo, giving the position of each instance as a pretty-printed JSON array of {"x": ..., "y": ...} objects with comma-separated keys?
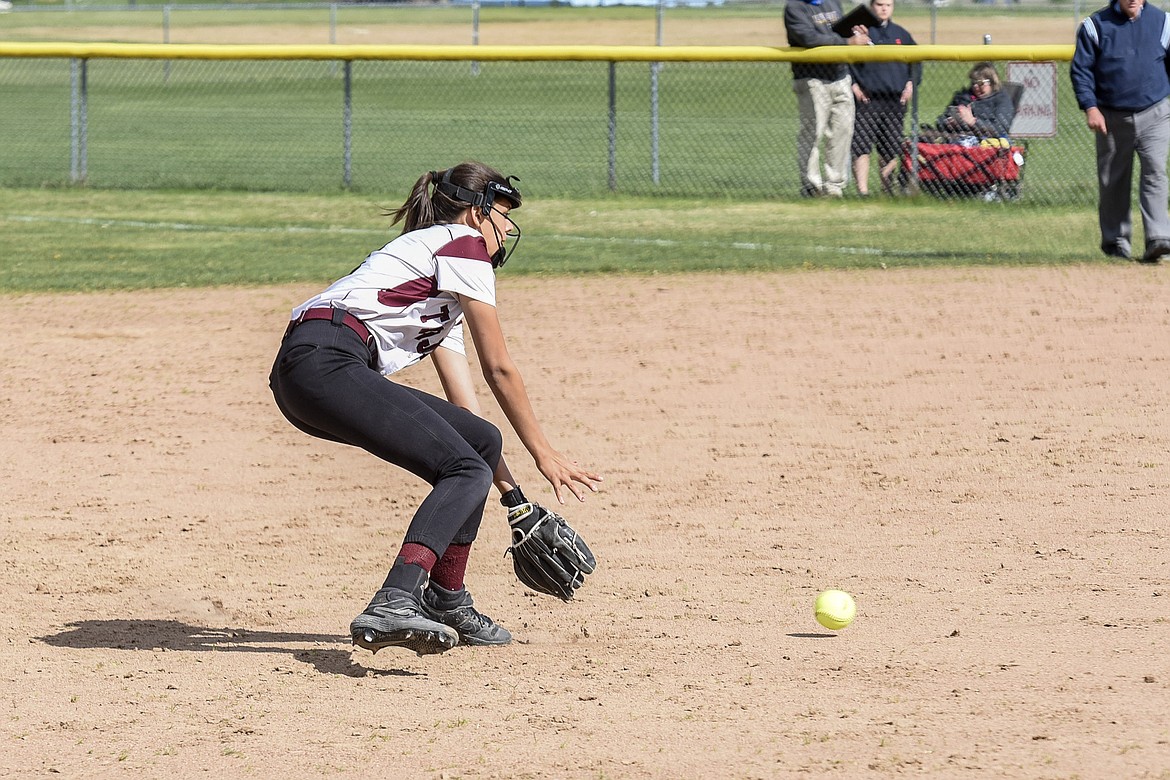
[
  {"x": 824, "y": 98},
  {"x": 1119, "y": 77},
  {"x": 881, "y": 91}
]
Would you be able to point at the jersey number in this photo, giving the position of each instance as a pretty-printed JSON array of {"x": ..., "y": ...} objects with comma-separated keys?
[{"x": 424, "y": 346}]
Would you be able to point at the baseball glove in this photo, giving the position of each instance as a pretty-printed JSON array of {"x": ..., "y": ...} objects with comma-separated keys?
[{"x": 547, "y": 554}]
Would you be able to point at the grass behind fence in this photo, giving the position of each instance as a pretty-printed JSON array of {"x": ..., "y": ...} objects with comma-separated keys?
[
  {"x": 725, "y": 129},
  {"x": 278, "y": 126}
]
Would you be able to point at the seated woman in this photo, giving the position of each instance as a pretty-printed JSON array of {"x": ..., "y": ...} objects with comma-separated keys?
[{"x": 982, "y": 110}]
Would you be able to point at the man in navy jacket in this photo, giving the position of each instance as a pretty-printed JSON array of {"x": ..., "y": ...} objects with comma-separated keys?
[{"x": 1119, "y": 75}]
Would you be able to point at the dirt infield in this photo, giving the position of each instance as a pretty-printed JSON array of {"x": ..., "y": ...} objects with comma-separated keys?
[{"x": 978, "y": 455}]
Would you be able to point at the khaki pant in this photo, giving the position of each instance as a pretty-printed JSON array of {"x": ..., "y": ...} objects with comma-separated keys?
[{"x": 826, "y": 114}]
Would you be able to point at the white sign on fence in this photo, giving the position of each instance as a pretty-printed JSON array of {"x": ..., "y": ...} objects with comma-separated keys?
[{"x": 1036, "y": 116}]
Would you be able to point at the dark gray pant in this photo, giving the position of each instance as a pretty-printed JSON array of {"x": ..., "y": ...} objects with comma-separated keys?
[
  {"x": 1146, "y": 133},
  {"x": 324, "y": 385}
]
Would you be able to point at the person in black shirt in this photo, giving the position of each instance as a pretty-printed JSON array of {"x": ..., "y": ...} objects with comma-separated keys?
[{"x": 881, "y": 91}]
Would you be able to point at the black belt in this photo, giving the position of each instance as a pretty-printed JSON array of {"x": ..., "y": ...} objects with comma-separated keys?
[{"x": 337, "y": 317}]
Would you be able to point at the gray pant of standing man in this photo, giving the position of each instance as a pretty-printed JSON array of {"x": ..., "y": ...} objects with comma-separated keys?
[{"x": 1146, "y": 133}]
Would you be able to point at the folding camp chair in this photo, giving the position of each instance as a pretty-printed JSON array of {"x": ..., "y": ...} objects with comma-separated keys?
[
  {"x": 955, "y": 170},
  {"x": 993, "y": 169}
]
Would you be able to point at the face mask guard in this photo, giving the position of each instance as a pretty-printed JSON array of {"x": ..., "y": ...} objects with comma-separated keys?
[{"x": 485, "y": 200}]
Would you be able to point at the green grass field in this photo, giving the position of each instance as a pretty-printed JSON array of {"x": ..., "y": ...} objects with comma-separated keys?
[{"x": 78, "y": 239}]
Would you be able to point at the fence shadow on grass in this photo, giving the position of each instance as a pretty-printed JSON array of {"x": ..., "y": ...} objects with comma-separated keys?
[{"x": 174, "y": 635}]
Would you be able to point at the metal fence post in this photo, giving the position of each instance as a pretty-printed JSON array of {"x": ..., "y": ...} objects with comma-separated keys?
[
  {"x": 654, "y": 167},
  {"x": 166, "y": 39},
  {"x": 78, "y": 125},
  {"x": 912, "y": 185},
  {"x": 475, "y": 34},
  {"x": 655, "y": 67},
  {"x": 612, "y": 126},
  {"x": 347, "y": 124},
  {"x": 74, "y": 121},
  {"x": 333, "y": 35},
  {"x": 84, "y": 120}
]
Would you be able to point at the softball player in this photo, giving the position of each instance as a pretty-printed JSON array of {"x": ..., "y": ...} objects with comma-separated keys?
[{"x": 407, "y": 301}]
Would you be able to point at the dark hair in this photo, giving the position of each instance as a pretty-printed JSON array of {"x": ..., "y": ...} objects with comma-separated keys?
[{"x": 427, "y": 205}]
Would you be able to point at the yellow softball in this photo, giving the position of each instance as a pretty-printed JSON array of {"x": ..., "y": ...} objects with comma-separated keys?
[{"x": 835, "y": 609}]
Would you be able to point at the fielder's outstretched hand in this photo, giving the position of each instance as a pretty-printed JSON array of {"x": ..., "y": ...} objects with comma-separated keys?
[{"x": 564, "y": 473}]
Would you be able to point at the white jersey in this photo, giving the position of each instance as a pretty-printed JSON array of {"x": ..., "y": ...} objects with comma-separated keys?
[{"x": 405, "y": 292}]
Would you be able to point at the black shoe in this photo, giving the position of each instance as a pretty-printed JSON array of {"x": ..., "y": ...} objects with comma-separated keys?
[
  {"x": 395, "y": 618},
  {"x": 454, "y": 608},
  {"x": 1156, "y": 250},
  {"x": 1119, "y": 249}
]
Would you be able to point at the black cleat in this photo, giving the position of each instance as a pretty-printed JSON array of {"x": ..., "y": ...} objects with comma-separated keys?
[
  {"x": 395, "y": 619},
  {"x": 454, "y": 608}
]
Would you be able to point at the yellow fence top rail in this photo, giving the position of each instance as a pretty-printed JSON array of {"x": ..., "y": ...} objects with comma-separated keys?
[{"x": 196, "y": 51}]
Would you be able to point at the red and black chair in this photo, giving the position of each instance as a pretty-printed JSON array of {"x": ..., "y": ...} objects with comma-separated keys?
[{"x": 992, "y": 169}]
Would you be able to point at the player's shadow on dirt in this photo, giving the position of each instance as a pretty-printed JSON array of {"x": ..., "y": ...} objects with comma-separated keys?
[{"x": 178, "y": 636}]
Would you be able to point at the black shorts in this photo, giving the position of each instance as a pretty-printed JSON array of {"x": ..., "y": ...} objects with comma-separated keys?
[{"x": 879, "y": 123}]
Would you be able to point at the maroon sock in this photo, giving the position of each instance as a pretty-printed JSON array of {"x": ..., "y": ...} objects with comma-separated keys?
[
  {"x": 449, "y": 570},
  {"x": 416, "y": 555}
]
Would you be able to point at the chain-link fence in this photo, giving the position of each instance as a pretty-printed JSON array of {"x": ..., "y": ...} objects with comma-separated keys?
[{"x": 569, "y": 127}]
